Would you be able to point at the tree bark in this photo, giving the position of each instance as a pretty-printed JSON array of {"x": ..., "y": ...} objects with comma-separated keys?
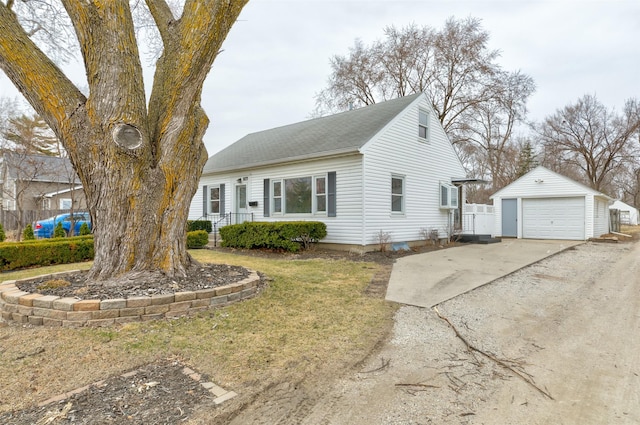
[{"x": 139, "y": 166}]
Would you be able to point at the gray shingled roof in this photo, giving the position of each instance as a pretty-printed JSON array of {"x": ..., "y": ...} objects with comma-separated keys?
[
  {"x": 341, "y": 133},
  {"x": 39, "y": 168}
]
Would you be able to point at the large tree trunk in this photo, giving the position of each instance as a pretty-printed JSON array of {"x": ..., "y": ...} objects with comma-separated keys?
[
  {"x": 139, "y": 202},
  {"x": 139, "y": 166}
]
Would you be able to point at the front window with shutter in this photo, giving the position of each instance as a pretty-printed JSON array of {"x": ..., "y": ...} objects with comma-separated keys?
[
  {"x": 321, "y": 194},
  {"x": 303, "y": 195},
  {"x": 214, "y": 200},
  {"x": 277, "y": 197}
]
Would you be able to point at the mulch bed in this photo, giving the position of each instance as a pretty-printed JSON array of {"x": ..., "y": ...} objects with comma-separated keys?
[
  {"x": 157, "y": 393},
  {"x": 75, "y": 286}
]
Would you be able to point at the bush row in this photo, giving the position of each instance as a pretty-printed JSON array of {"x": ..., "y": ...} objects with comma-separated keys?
[
  {"x": 287, "y": 235},
  {"x": 193, "y": 225},
  {"x": 45, "y": 252}
]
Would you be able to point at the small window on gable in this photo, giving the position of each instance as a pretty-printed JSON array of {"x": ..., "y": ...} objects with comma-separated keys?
[
  {"x": 397, "y": 194},
  {"x": 423, "y": 124}
]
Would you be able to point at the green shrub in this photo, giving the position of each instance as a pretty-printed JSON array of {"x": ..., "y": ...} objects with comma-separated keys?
[
  {"x": 287, "y": 235},
  {"x": 197, "y": 239},
  {"x": 48, "y": 240},
  {"x": 44, "y": 252},
  {"x": 3, "y": 235},
  {"x": 193, "y": 225},
  {"x": 27, "y": 233},
  {"x": 59, "y": 232},
  {"x": 84, "y": 229}
]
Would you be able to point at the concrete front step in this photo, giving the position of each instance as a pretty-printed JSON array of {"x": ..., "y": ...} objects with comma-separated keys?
[{"x": 479, "y": 239}]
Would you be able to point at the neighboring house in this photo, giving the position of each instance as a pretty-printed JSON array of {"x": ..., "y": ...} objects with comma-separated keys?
[
  {"x": 388, "y": 168},
  {"x": 543, "y": 204},
  {"x": 628, "y": 214},
  {"x": 38, "y": 183}
]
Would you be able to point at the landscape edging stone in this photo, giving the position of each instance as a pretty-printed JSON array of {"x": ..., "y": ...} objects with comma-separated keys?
[{"x": 51, "y": 310}]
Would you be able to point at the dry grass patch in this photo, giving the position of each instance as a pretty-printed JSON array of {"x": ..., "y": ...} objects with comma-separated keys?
[
  {"x": 312, "y": 315},
  {"x": 630, "y": 230}
]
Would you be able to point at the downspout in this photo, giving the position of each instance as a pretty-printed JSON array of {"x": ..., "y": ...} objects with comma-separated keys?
[{"x": 362, "y": 203}]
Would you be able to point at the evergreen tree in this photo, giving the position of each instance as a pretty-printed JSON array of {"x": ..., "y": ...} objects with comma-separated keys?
[
  {"x": 84, "y": 229},
  {"x": 27, "y": 234},
  {"x": 527, "y": 160},
  {"x": 59, "y": 232}
]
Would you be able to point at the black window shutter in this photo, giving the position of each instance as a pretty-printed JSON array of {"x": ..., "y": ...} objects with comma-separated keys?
[
  {"x": 267, "y": 208},
  {"x": 331, "y": 194},
  {"x": 205, "y": 210},
  {"x": 222, "y": 198}
]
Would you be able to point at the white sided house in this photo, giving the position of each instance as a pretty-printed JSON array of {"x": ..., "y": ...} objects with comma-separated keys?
[
  {"x": 388, "y": 168},
  {"x": 543, "y": 204}
]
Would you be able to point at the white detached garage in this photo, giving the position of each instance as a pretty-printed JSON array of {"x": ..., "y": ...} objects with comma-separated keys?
[{"x": 543, "y": 204}]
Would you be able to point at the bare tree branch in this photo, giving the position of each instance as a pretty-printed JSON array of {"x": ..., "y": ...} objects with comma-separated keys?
[
  {"x": 591, "y": 138},
  {"x": 47, "y": 89}
]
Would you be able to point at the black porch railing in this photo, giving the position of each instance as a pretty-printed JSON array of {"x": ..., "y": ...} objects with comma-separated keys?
[{"x": 221, "y": 220}]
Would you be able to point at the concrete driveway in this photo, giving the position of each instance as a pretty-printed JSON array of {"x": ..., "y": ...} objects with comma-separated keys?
[{"x": 425, "y": 280}]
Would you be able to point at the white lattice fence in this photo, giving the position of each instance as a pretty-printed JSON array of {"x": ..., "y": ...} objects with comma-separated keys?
[{"x": 478, "y": 219}]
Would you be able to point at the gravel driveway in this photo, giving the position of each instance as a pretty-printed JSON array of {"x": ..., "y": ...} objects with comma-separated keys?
[{"x": 554, "y": 343}]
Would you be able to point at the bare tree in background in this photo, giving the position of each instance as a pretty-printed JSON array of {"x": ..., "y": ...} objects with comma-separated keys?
[
  {"x": 589, "y": 139},
  {"x": 139, "y": 162},
  {"x": 627, "y": 182},
  {"x": 454, "y": 66},
  {"x": 491, "y": 124},
  {"x": 478, "y": 104}
]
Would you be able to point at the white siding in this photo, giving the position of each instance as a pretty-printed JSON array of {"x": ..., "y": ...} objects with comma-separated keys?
[
  {"x": 397, "y": 150},
  {"x": 543, "y": 183},
  {"x": 601, "y": 217},
  {"x": 364, "y": 209},
  {"x": 345, "y": 228},
  {"x": 196, "y": 210}
]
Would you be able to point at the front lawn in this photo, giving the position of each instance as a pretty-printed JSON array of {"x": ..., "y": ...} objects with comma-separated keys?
[{"x": 312, "y": 315}]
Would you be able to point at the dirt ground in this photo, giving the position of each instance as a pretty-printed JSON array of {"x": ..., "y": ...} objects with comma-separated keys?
[{"x": 556, "y": 342}]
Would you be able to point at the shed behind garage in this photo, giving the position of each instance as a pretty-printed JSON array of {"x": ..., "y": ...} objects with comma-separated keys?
[
  {"x": 628, "y": 213},
  {"x": 543, "y": 204}
]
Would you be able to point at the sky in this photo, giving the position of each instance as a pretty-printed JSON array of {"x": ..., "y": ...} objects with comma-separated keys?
[{"x": 277, "y": 56}]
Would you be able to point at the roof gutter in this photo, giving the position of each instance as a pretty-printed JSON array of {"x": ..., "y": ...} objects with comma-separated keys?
[{"x": 292, "y": 160}]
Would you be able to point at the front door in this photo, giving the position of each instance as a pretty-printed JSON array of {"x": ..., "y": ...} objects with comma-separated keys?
[
  {"x": 241, "y": 203},
  {"x": 510, "y": 218}
]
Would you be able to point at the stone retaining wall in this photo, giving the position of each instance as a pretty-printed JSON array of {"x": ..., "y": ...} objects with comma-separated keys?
[{"x": 50, "y": 310}]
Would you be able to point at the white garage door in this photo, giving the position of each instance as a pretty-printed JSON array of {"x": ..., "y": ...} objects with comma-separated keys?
[{"x": 553, "y": 218}]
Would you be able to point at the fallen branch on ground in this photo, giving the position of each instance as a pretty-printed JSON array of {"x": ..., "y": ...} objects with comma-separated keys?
[
  {"x": 385, "y": 364},
  {"x": 417, "y": 385},
  {"x": 35, "y": 352},
  {"x": 414, "y": 388},
  {"x": 522, "y": 375}
]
